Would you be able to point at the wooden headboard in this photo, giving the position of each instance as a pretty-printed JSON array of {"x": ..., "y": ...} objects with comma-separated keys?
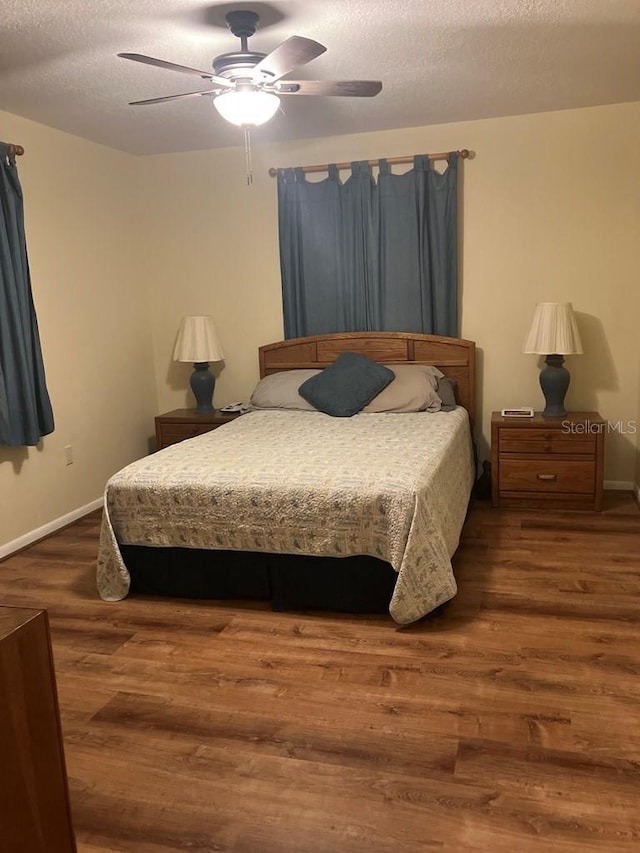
[{"x": 455, "y": 357}]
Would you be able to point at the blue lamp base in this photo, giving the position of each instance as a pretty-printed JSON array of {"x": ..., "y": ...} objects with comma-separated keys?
[
  {"x": 554, "y": 381},
  {"x": 202, "y": 384}
]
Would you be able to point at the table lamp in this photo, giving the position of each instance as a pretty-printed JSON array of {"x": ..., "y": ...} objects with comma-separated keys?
[
  {"x": 554, "y": 333},
  {"x": 198, "y": 342}
]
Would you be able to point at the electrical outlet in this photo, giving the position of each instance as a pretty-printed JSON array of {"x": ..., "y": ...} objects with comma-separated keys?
[{"x": 68, "y": 455}]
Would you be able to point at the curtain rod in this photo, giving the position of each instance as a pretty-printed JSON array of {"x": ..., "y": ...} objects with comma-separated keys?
[
  {"x": 390, "y": 160},
  {"x": 15, "y": 150}
]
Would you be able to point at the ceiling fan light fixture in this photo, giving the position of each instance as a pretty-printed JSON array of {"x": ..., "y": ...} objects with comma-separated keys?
[{"x": 247, "y": 108}]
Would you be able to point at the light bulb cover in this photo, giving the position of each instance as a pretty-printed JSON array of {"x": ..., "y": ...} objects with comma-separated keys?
[
  {"x": 247, "y": 108},
  {"x": 197, "y": 341},
  {"x": 553, "y": 330}
]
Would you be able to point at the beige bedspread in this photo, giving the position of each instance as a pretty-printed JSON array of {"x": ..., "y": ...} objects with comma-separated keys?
[{"x": 394, "y": 486}]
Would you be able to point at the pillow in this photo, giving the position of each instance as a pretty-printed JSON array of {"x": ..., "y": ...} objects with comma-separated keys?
[
  {"x": 346, "y": 385},
  {"x": 412, "y": 390},
  {"x": 280, "y": 391},
  {"x": 447, "y": 393}
]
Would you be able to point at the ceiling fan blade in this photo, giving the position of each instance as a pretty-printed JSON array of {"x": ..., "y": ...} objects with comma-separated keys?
[
  {"x": 348, "y": 88},
  {"x": 171, "y": 66},
  {"x": 174, "y": 97},
  {"x": 293, "y": 52}
]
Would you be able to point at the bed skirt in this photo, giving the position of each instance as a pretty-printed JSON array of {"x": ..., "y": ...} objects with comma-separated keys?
[{"x": 359, "y": 584}]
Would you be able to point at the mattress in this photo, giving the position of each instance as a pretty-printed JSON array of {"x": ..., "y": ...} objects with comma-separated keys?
[{"x": 391, "y": 486}]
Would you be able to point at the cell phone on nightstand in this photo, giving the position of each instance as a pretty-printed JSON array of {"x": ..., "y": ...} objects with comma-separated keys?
[{"x": 235, "y": 407}]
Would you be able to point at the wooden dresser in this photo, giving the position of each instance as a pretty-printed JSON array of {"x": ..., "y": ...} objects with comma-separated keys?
[
  {"x": 35, "y": 816},
  {"x": 547, "y": 463},
  {"x": 179, "y": 424}
]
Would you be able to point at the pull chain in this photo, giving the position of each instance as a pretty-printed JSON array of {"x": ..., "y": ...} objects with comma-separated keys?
[{"x": 247, "y": 154}]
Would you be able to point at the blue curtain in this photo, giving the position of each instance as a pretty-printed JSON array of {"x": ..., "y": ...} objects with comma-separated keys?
[
  {"x": 368, "y": 255},
  {"x": 25, "y": 409}
]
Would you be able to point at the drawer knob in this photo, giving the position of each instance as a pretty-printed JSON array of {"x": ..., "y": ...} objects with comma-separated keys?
[{"x": 547, "y": 476}]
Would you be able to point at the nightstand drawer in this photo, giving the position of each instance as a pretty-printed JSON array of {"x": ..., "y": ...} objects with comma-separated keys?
[
  {"x": 544, "y": 475},
  {"x": 171, "y": 433},
  {"x": 545, "y": 441}
]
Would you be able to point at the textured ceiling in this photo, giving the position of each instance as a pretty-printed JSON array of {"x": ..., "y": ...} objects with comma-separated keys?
[{"x": 444, "y": 61}]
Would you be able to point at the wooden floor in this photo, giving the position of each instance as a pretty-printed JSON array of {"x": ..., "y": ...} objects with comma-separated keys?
[{"x": 510, "y": 723}]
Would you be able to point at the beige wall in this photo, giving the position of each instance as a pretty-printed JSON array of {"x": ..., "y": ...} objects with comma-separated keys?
[
  {"x": 637, "y": 478},
  {"x": 551, "y": 212},
  {"x": 83, "y": 234}
]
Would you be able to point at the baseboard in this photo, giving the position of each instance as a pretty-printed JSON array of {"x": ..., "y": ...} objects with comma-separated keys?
[
  {"x": 620, "y": 485},
  {"x": 46, "y": 529}
]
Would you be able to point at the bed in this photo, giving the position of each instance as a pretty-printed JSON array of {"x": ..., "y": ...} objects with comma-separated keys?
[{"x": 359, "y": 513}]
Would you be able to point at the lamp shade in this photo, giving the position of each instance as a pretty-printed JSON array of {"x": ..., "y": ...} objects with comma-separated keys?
[
  {"x": 247, "y": 107},
  {"x": 554, "y": 330},
  {"x": 197, "y": 341}
]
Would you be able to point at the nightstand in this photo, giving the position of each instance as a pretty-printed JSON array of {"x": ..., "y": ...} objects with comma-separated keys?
[
  {"x": 547, "y": 463},
  {"x": 179, "y": 424}
]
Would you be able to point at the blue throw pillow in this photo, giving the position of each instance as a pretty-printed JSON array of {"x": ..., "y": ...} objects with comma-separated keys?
[{"x": 346, "y": 386}]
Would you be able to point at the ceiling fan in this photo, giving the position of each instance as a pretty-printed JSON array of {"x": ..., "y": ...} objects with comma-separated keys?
[{"x": 248, "y": 85}]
